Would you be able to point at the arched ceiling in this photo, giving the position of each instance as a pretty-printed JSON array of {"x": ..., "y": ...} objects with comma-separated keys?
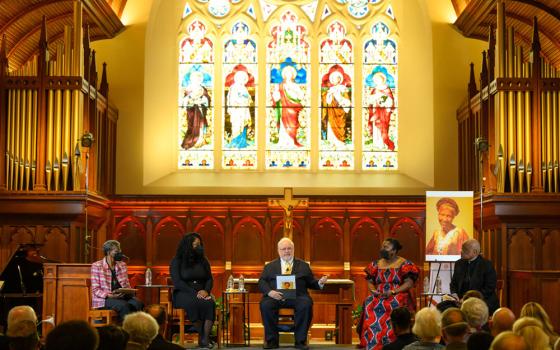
[
  {"x": 475, "y": 16},
  {"x": 20, "y": 22}
]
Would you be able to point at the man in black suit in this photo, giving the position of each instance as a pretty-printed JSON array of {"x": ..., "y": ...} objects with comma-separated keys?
[
  {"x": 473, "y": 272},
  {"x": 273, "y": 299}
]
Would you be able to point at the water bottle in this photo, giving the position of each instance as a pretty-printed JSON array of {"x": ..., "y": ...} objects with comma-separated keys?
[
  {"x": 230, "y": 283},
  {"x": 438, "y": 285},
  {"x": 426, "y": 285},
  {"x": 148, "y": 277},
  {"x": 241, "y": 283}
]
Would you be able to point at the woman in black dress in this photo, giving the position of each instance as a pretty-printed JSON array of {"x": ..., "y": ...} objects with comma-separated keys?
[{"x": 192, "y": 281}]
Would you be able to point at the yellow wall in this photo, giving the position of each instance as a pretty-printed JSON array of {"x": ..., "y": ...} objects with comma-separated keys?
[{"x": 433, "y": 73}]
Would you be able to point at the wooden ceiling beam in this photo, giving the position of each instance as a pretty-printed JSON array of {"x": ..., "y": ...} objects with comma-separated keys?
[
  {"x": 473, "y": 14},
  {"x": 535, "y": 3},
  {"x": 27, "y": 11},
  {"x": 103, "y": 16}
]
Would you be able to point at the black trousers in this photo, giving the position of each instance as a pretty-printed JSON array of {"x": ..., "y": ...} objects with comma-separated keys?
[
  {"x": 124, "y": 306},
  {"x": 303, "y": 306}
]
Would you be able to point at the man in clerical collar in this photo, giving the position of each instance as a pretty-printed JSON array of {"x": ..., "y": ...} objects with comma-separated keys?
[
  {"x": 473, "y": 272},
  {"x": 274, "y": 299}
]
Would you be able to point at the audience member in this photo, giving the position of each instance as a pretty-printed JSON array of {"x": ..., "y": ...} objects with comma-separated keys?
[
  {"x": 446, "y": 304},
  {"x": 454, "y": 329},
  {"x": 141, "y": 329},
  {"x": 535, "y": 310},
  {"x": 159, "y": 343},
  {"x": 401, "y": 322},
  {"x": 23, "y": 335},
  {"x": 477, "y": 313},
  {"x": 112, "y": 337},
  {"x": 473, "y": 294},
  {"x": 72, "y": 335},
  {"x": 502, "y": 321},
  {"x": 509, "y": 341},
  {"x": 531, "y": 329},
  {"x": 479, "y": 341},
  {"x": 428, "y": 328},
  {"x": 17, "y": 314}
]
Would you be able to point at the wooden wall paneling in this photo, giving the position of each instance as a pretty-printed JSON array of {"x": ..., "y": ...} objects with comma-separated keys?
[
  {"x": 248, "y": 242},
  {"x": 131, "y": 233},
  {"x": 149, "y": 240},
  {"x": 412, "y": 238},
  {"x": 549, "y": 252},
  {"x": 519, "y": 290},
  {"x": 56, "y": 243},
  {"x": 550, "y": 290},
  {"x": 167, "y": 234},
  {"x": 521, "y": 249},
  {"x": 212, "y": 232},
  {"x": 365, "y": 241},
  {"x": 327, "y": 239},
  {"x": 307, "y": 236},
  {"x": 346, "y": 244}
]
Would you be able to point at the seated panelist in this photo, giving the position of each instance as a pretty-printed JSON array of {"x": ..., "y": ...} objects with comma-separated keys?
[
  {"x": 107, "y": 276},
  {"x": 274, "y": 299}
]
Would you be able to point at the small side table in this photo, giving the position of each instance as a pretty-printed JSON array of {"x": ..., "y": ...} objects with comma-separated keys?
[
  {"x": 150, "y": 294},
  {"x": 228, "y": 299}
]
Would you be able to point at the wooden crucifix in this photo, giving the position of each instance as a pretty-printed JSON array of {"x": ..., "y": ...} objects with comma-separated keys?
[{"x": 288, "y": 203}]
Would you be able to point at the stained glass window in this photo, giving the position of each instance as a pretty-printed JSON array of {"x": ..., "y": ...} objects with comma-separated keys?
[
  {"x": 196, "y": 110},
  {"x": 307, "y": 86}
]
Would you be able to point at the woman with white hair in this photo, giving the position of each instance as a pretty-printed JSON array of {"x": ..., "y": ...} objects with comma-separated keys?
[
  {"x": 427, "y": 327},
  {"x": 477, "y": 313},
  {"x": 108, "y": 275},
  {"x": 531, "y": 329},
  {"x": 142, "y": 328}
]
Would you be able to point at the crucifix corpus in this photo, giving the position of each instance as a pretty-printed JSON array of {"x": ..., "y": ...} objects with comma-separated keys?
[{"x": 288, "y": 203}]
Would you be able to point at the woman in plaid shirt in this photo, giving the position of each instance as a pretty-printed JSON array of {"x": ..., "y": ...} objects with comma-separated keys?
[{"x": 109, "y": 274}]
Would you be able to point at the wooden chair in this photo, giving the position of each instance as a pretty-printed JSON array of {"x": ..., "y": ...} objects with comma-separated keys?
[
  {"x": 287, "y": 323},
  {"x": 99, "y": 317},
  {"x": 500, "y": 290},
  {"x": 176, "y": 317}
]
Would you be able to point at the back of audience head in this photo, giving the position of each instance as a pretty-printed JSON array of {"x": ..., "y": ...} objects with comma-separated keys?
[
  {"x": 472, "y": 294},
  {"x": 112, "y": 337},
  {"x": 23, "y": 335},
  {"x": 509, "y": 341},
  {"x": 502, "y": 320},
  {"x": 531, "y": 330},
  {"x": 454, "y": 326},
  {"x": 141, "y": 327},
  {"x": 476, "y": 311},
  {"x": 428, "y": 324},
  {"x": 535, "y": 310},
  {"x": 479, "y": 341},
  {"x": 446, "y": 304},
  {"x": 401, "y": 320},
  {"x": 71, "y": 335},
  {"x": 21, "y": 313}
]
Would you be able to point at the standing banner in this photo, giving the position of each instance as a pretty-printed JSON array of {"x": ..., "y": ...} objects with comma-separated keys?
[{"x": 449, "y": 223}]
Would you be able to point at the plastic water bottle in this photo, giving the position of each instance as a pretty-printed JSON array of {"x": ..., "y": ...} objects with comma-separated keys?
[
  {"x": 426, "y": 285},
  {"x": 230, "y": 283},
  {"x": 148, "y": 277},
  {"x": 438, "y": 285},
  {"x": 241, "y": 283}
]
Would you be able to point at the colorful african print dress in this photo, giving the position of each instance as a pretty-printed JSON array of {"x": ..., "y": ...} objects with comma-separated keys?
[{"x": 376, "y": 319}]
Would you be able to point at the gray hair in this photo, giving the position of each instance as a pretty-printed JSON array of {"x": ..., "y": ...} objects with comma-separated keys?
[
  {"x": 141, "y": 327},
  {"x": 531, "y": 329},
  {"x": 110, "y": 244},
  {"x": 476, "y": 311},
  {"x": 21, "y": 313},
  {"x": 286, "y": 240},
  {"x": 428, "y": 323}
]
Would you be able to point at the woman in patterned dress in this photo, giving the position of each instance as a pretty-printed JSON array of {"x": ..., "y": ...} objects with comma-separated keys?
[{"x": 389, "y": 280}]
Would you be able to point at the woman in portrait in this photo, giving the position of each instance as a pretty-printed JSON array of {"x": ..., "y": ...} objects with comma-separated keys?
[
  {"x": 390, "y": 279},
  {"x": 192, "y": 283},
  {"x": 449, "y": 239}
]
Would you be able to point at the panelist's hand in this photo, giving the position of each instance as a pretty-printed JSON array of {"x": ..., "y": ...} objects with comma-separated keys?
[
  {"x": 387, "y": 293},
  {"x": 274, "y": 294},
  {"x": 115, "y": 295},
  {"x": 202, "y": 294},
  {"x": 323, "y": 279},
  {"x": 374, "y": 292}
]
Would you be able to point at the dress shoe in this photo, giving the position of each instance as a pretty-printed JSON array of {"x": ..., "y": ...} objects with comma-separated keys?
[
  {"x": 271, "y": 345},
  {"x": 301, "y": 346}
]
